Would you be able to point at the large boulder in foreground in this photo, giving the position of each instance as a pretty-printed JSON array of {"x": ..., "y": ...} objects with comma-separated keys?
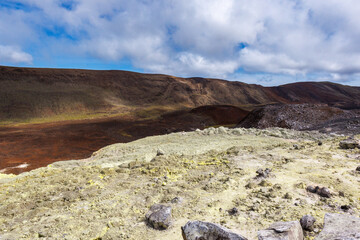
[
  {"x": 340, "y": 226},
  {"x": 159, "y": 216},
  {"x": 197, "y": 230},
  {"x": 282, "y": 231}
]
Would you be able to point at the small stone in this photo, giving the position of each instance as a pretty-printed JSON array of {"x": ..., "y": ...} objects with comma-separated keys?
[
  {"x": 159, "y": 216},
  {"x": 160, "y": 152},
  {"x": 197, "y": 230},
  {"x": 296, "y": 147},
  {"x": 320, "y": 143},
  {"x": 311, "y": 189},
  {"x": 349, "y": 144},
  {"x": 324, "y": 192},
  {"x": 358, "y": 169},
  {"x": 282, "y": 231},
  {"x": 345, "y": 208},
  {"x": 341, "y": 194},
  {"x": 288, "y": 196},
  {"x": 40, "y": 235},
  {"x": 233, "y": 211},
  {"x": 177, "y": 200},
  {"x": 307, "y": 222},
  {"x": 263, "y": 173}
]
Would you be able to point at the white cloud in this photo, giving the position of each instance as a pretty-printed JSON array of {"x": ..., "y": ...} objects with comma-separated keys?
[
  {"x": 11, "y": 54},
  {"x": 287, "y": 39}
]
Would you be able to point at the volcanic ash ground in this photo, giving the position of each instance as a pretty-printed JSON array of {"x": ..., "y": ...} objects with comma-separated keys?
[{"x": 242, "y": 179}]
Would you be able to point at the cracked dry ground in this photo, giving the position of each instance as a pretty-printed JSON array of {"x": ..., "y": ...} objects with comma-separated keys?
[{"x": 105, "y": 197}]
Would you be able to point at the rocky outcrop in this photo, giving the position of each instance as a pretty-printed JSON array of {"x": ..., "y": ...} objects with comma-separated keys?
[
  {"x": 159, "y": 216},
  {"x": 196, "y": 230},
  {"x": 282, "y": 231},
  {"x": 340, "y": 227},
  {"x": 349, "y": 144},
  {"x": 319, "y": 117}
]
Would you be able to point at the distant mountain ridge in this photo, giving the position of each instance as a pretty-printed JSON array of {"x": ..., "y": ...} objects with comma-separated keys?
[{"x": 27, "y": 93}]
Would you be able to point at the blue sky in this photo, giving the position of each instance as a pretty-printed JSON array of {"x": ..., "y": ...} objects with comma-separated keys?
[{"x": 259, "y": 41}]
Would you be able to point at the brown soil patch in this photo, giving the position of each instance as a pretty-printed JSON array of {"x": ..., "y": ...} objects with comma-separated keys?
[{"x": 41, "y": 144}]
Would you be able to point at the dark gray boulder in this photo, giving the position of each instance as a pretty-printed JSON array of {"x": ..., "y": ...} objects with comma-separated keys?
[
  {"x": 159, "y": 216},
  {"x": 197, "y": 230},
  {"x": 282, "y": 231},
  {"x": 323, "y": 192},
  {"x": 307, "y": 222},
  {"x": 340, "y": 227}
]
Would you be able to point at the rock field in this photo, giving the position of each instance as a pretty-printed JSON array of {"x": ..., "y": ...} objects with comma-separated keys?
[{"x": 242, "y": 179}]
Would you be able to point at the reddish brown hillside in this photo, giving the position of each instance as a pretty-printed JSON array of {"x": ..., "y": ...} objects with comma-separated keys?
[
  {"x": 27, "y": 93},
  {"x": 104, "y": 107},
  {"x": 317, "y": 92}
]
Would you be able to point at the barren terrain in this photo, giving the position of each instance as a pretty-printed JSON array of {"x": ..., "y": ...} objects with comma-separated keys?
[
  {"x": 48, "y": 115},
  {"x": 208, "y": 173},
  {"x": 27, "y": 147}
]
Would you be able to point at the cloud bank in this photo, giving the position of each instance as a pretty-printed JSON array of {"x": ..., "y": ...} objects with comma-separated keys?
[{"x": 258, "y": 41}]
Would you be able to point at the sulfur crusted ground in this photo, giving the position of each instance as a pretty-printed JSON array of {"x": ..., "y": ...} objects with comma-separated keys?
[{"x": 209, "y": 172}]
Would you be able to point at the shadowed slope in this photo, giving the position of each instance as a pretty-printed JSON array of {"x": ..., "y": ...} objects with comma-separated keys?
[{"x": 304, "y": 117}]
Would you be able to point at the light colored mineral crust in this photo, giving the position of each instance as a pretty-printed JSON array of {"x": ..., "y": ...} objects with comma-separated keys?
[
  {"x": 201, "y": 176},
  {"x": 340, "y": 227},
  {"x": 282, "y": 231},
  {"x": 196, "y": 230}
]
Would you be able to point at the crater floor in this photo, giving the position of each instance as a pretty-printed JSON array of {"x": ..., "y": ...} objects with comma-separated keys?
[{"x": 210, "y": 172}]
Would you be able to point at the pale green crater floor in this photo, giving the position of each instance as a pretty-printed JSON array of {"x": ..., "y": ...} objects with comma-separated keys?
[{"x": 107, "y": 195}]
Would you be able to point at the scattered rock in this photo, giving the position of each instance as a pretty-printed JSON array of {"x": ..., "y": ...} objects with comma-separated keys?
[
  {"x": 233, "y": 211},
  {"x": 177, "y": 200},
  {"x": 159, "y": 216},
  {"x": 288, "y": 196},
  {"x": 358, "y": 169},
  {"x": 345, "y": 208},
  {"x": 40, "y": 235},
  {"x": 323, "y": 192},
  {"x": 349, "y": 144},
  {"x": 282, "y": 231},
  {"x": 263, "y": 173},
  {"x": 160, "y": 152},
  {"x": 311, "y": 189},
  {"x": 307, "y": 222},
  {"x": 340, "y": 226},
  {"x": 197, "y": 230}
]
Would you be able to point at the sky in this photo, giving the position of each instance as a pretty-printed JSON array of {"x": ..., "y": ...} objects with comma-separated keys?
[{"x": 259, "y": 41}]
